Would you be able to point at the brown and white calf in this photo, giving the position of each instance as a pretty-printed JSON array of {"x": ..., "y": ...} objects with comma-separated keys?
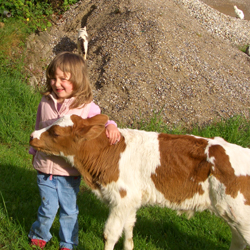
[{"x": 183, "y": 172}]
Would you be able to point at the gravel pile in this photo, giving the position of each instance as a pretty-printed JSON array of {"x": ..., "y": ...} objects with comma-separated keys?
[
  {"x": 176, "y": 57},
  {"x": 226, "y": 27}
]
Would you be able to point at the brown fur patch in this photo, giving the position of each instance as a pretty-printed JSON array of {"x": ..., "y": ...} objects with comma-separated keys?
[
  {"x": 122, "y": 192},
  {"x": 183, "y": 166},
  {"x": 224, "y": 172},
  {"x": 100, "y": 160}
]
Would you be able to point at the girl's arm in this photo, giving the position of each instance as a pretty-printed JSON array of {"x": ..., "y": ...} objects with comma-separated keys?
[
  {"x": 112, "y": 131},
  {"x": 95, "y": 110}
]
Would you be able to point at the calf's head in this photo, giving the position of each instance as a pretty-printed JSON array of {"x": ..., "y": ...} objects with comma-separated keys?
[{"x": 64, "y": 136}]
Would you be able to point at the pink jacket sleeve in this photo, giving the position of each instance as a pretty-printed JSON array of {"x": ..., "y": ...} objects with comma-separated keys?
[{"x": 95, "y": 110}]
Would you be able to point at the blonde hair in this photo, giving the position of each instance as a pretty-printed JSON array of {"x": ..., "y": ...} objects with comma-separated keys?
[{"x": 74, "y": 64}]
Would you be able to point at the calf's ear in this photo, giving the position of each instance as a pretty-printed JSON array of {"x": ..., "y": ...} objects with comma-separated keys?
[
  {"x": 94, "y": 131},
  {"x": 98, "y": 120},
  {"x": 95, "y": 120},
  {"x": 90, "y": 128},
  {"x": 89, "y": 132}
]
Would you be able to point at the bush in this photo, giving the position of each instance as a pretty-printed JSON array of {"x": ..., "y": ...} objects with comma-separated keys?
[{"x": 35, "y": 13}]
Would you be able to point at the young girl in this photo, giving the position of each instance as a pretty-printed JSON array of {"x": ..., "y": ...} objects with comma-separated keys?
[{"x": 67, "y": 92}]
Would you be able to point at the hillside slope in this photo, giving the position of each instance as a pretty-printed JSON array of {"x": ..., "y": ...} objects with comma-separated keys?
[{"x": 179, "y": 57}]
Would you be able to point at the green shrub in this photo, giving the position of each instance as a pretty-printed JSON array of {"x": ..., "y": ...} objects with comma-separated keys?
[{"x": 35, "y": 13}]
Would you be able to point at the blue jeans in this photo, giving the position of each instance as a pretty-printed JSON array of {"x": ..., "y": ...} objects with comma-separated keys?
[{"x": 60, "y": 191}]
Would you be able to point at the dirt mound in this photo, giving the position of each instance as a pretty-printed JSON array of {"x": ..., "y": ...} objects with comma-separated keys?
[{"x": 154, "y": 56}]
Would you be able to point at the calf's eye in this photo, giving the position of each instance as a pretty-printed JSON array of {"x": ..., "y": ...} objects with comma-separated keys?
[{"x": 53, "y": 133}]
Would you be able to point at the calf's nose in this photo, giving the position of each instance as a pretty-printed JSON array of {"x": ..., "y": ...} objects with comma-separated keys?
[{"x": 31, "y": 136}]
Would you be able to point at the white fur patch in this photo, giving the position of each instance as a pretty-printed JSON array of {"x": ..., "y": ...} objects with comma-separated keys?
[
  {"x": 68, "y": 158},
  {"x": 138, "y": 161},
  {"x": 239, "y": 157},
  {"x": 64, "y": 121},
  {"x": 229, "y": 208}
]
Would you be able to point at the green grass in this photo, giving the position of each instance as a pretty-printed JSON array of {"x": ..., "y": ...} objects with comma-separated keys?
[
  {"x": 156, "y": 228},
  {"x": 18, "y": 107}
]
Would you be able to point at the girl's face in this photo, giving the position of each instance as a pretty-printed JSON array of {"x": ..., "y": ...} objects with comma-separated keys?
[{"x": 61, "y": 85}]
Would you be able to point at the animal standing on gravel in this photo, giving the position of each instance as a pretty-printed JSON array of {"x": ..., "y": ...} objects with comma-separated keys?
[
  {"x": 239, "y": 13},
  {"x": 183, "y": 172},
  {"x": 82, "y": 42}
]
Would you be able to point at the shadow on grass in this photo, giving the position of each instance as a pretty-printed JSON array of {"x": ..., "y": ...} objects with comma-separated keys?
[
  {"x": 21, "y": 198},
  {"x": 158, "y": 230},
  {"x": 20, "y": 193},
  {"x": 167, "y": 230}
]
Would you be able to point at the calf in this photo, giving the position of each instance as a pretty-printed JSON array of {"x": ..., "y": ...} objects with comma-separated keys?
[{"x": 182, "y": 172}]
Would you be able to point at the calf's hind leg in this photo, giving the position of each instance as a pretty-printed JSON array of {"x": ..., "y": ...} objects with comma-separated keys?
[{"x": 237, "y": 243}]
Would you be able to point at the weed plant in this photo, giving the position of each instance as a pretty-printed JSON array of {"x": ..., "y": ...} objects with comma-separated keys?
[{"x": 35, "y": 13}]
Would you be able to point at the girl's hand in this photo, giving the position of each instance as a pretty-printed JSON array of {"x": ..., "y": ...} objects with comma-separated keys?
[{"x": 113, "y": 134}]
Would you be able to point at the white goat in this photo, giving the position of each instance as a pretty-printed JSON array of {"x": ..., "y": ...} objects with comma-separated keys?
[
  {"x": 82, "y": 42},
  {"x": 239, "y": 13}
]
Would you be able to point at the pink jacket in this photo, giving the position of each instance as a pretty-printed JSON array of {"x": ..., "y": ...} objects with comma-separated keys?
[{"x": 48, "y": 112}]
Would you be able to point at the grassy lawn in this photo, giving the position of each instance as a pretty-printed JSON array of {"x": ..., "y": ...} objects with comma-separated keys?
[{"x": 155, "y": 229}]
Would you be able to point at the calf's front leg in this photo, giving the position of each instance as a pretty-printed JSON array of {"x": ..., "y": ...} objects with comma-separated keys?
[
  {"x": 120, "y": 217},
  {"x": 128, "y": 230}
]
